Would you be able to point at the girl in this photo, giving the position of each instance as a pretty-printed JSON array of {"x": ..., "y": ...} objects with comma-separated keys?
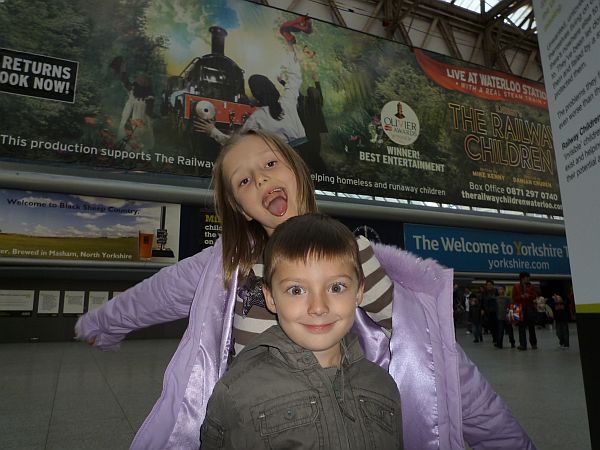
[
  {"x": 276, "y": 113},
  {"x": 259, "y": 183}
]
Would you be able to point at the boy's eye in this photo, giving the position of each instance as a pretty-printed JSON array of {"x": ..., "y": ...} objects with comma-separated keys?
[
  {"x": 338, "y": 287},
  {"x": 296, "y": 290}
]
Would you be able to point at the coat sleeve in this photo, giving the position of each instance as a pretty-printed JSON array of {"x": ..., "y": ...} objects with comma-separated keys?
[
  {"x": 379, "y": 290},
  {"x": 488, "y": 424},
  {"x": 294, "y": 81},
  {"x": 164, "y": 297},
  {"x": 219, "y": 136}
]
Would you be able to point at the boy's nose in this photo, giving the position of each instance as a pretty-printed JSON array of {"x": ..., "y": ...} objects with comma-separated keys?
[{"x": 317, "y": 305}]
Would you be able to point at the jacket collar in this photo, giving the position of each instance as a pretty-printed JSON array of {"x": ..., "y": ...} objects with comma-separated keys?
[{"x": 275, "y": 341}]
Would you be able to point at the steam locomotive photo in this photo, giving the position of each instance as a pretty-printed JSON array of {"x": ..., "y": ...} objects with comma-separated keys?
[{"x": 210, "y": 87}]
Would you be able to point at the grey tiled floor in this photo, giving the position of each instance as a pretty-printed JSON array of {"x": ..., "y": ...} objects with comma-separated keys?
[{"x": 67, "y": 396}]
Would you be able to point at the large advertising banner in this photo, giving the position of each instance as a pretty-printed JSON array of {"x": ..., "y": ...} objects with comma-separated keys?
[
  {"x": 157, "y": 86},
  {"x": 482, "y": 251},
  {"x": 43, "y": 226}
]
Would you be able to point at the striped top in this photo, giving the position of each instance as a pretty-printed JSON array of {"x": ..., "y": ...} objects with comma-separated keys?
[{"x": 377, "y": 300}]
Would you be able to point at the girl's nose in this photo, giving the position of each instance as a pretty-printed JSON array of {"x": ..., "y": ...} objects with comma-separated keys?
[
  {"x": 261, "y": 179},
  {"x": 317, "y": 305}
]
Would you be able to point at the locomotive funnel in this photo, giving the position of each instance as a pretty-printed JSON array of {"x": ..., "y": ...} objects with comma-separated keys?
[{"x": 218, "y": 40}]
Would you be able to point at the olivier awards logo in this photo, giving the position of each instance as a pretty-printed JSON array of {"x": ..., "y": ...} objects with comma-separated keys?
[{"x": 400, "y": 122}]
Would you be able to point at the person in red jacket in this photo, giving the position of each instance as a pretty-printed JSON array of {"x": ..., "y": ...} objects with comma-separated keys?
[{"x": 524, "y": 293}]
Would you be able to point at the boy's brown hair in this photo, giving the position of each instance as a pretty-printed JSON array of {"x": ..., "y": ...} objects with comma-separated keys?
[
  {"x": 243, "y": 240},
  {"x": 303, "y": 238}
]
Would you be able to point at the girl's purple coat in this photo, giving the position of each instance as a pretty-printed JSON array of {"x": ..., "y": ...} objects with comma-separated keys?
[{"x": 444, "y": 397}]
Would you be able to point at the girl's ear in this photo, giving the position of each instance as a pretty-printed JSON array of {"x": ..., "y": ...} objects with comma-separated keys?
[
  {"x": 269, "y": 300},
  {"x": 236, "y": 207}
]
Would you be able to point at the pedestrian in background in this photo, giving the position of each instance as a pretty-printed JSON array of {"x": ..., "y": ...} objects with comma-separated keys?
[
  {"x": 524, "y": 294},
  {"x": 561, "y": 318},
  {"x": 475, "y": 314},
  {"x": 504, "y": 323},
  {"x": 489, "y": 305}
]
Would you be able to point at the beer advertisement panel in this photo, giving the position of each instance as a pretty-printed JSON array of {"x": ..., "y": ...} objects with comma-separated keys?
[{"x": 50, "y": 226}]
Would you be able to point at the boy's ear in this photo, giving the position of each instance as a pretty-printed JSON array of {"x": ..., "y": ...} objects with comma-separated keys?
[
  {"x": 359, "y": 294},
  {"x": 269, "y": 300}
]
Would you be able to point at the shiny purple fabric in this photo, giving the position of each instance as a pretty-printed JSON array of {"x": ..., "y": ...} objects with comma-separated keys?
[
  {"x": 186, "y": 431},
  {"x": 179, "y": 412},
  {"x": 444, "y": 397},
  {"x": 443, "y": 394},
  {"x": 374, "y": 342},
  {"x": 423, "y": 362},
  {"x": 193, "y": 287}
]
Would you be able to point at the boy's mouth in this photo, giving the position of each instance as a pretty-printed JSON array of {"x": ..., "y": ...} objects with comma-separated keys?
[
  {"x": 276, "y": 202},
  {"x": 319, "y": 329}
]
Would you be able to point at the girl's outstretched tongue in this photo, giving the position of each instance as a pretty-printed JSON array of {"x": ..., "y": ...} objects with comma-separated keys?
[{"x": 278, "y": 206}]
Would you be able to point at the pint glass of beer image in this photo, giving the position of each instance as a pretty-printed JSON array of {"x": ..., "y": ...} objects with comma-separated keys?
[{"x": 145, "y": 241}]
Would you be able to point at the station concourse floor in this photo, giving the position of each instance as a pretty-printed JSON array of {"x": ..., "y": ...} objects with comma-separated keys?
[{"x": 68, "y": 396}]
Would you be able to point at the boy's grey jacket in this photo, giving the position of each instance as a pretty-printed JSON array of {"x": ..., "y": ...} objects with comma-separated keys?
[
  {"x": 276, "y": 395},
  {"x": 444, "y": 397}
]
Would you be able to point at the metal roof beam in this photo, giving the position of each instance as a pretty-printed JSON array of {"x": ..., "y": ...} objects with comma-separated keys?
[
  {"x": 504, "y": 8},
  {"x": 336, "y": 13},
  {"x": 293, "y": 5},
  {"x": 430, "y": 31},
  {"x": 373, "y": 16},
  {"x": 530, "y": 61},
  {"x": 448, "y": 35}
]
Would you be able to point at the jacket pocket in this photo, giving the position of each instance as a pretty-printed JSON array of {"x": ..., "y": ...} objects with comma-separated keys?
[
  {"x": 382, "y": 419},
  {"x": 290, "y": 421}
]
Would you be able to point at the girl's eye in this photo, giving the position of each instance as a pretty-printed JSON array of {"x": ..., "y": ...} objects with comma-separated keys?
[
  {"x": 271, "y": 163},
  {"x": 338, "y": 287},
  {"x": 245, "y": 181},
  {"x": 296, "y": 290}
]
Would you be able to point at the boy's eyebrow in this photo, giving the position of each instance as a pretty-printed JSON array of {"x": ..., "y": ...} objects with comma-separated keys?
[{"x": 300, "y": 279}]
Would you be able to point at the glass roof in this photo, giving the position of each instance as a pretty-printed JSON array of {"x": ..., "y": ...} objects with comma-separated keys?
[
  {"x": 522, "y": 17},
  {"x": 380, "y": 201}
]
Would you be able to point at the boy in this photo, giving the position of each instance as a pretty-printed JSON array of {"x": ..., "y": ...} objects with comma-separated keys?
[{"x": 305, "y": 383}]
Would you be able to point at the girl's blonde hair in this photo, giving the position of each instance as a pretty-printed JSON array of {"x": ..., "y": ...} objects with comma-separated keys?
[{"x": 243, "y": 240}]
